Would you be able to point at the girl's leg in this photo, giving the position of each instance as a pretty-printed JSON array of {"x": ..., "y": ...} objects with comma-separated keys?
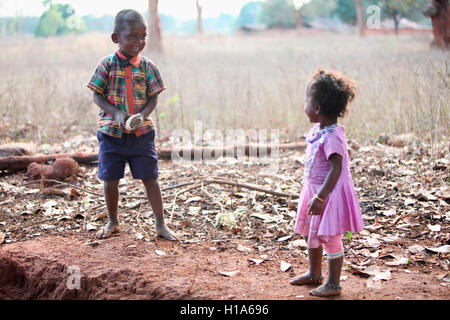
[
  {"x": 153, "y": 191},
  {"x": 111, "y": 190},
  {"x": 335, "y": 253},
  {"x": 314, "y": 275}
]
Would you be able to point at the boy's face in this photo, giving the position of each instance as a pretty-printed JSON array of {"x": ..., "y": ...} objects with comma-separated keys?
[{"x": 131, "y": 39}]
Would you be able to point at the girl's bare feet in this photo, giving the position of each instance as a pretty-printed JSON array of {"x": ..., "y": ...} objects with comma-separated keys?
[
  {"x": 164, "y": 232},
  {"x": 306, "y": 279},
  {"x": 327, "y": 290},
  {"x": 107, "y": 230}
]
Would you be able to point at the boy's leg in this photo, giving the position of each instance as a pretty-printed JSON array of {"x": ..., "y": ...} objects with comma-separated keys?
[
  {"x": 153, "y": 191},
  {"x": 111, "y": 190},
  {"x": 314, "y": 275}
]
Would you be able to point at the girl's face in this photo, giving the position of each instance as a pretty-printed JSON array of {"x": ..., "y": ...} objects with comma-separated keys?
[
  {"x": 131, "y": 39},
  {"x": 311, "y": 109}
]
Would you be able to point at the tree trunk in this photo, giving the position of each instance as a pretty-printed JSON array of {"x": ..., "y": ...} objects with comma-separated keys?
[
  {"x": 439, "y": 12},
  {"x": 396, "y": 22},
  {"x": 199, "y": 18},
  {"x": 154, "y": 27},
  {"x": 361, "y": 22}
]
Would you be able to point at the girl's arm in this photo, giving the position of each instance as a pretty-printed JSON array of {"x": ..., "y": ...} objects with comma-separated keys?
[{"x": 315, "y": 205}]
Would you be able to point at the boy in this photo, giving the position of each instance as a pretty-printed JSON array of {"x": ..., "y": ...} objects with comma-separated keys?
[{"x": 124, "y": 84}]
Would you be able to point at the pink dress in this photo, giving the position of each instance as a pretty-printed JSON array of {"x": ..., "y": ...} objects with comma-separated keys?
[{"x": 341, "y": 211}]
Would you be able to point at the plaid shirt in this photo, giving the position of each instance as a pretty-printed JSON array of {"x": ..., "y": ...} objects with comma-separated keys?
[{"x": 126, "y": 87}]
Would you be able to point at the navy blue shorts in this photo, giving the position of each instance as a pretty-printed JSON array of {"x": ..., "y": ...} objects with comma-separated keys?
[{"x": 139, "y": 152}]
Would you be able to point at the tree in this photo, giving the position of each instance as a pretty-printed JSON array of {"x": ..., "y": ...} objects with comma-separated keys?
[
  {"x": 199, "y": 17},
  {"x": 361, "y": 21},
  {"x": 439, "y": 12},
  {"x": 346, "y": 11},
  {"x": 299, "y": 6},
  {"x": 277, "y": 14},
  {"x": 58, "y": 19},
  {"x": 249, "y": 13},
  {"x": 154, "y": 26},
  {"x": 398, "y": 9}
]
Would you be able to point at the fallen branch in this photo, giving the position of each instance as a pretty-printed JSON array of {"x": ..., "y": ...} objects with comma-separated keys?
[{"x": 252, "y": 187}]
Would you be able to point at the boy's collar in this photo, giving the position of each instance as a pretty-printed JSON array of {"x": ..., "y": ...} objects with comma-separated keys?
[{"x": 135, "y": 61}]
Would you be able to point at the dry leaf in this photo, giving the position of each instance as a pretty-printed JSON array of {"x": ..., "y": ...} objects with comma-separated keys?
[
  {"x": 434, "y": 228},
  {"x": 441, "y": 249},
  {"x": 90, "y": 227},
  {"x": 192, "y": 199},
  {"x": 285, "y": 266},
  {"x": 414, "y": 249},
  {"x": 2, "y": 237},
  {"x": 160, "y": 253},
  {"x": 298, "y": 244},
  {"x": 139, "y": 236},
  {"x": 398, "y": 261},
  {"x": 284, "y": 238},
  {"x": 257, "y": 261},
  {"x": 229, "y": 273},
  {"x": 243, "y": 249},
  {"x": 389, "y": 212}
]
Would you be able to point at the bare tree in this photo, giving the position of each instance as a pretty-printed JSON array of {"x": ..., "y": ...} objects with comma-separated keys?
[
  {"x": 199, "y": 18},
  {"x": 360, "y": 17},
  {"x": 439, "y": 12},
  {"x": 298, "y": 7},
  {"x": 155, "y": 30}
]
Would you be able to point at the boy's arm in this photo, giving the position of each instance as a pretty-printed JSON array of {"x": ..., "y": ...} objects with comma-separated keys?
[
  {"x": 119, "y": 115},
  {"x": 150, "y": 106},
  {"x": 335, "y": 161}
]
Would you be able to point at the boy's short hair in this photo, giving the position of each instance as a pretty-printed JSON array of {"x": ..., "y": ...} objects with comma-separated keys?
[{"x": 126, "y": 16}]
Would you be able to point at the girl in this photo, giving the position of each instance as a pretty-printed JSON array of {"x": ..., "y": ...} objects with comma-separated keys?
[{"x": 328, "y": 206}]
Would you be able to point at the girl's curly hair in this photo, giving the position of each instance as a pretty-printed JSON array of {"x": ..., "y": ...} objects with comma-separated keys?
[{"x": 332, "y": 91}]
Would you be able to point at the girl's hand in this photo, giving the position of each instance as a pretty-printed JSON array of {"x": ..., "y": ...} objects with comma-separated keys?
[{"x": 315, "y": 207}]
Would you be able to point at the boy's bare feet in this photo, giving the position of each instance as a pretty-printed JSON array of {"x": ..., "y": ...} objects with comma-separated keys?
[
  {"x": 306, "y": 279},
  {"x": 326, "y": 290},
  {"x": 107, "y": 231},
  {"x": 164, "y": 232}
]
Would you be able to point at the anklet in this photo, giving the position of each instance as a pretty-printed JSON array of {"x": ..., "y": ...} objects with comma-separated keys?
[{"x": 336, "y": 287}]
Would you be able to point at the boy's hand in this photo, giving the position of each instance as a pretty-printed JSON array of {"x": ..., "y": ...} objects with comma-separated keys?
[
  {"x": 121, "y": 117},
  {"x": 315, "y": 207},
  {"x": 141, "y": 117}
]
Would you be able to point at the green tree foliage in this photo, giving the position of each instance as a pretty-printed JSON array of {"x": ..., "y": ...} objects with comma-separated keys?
[
  {"x": 390, "y": 9},
  {"x": 59, "y": 19},
  {"x": 277, "y": 14},
  {"x": 249, "y": 14}
]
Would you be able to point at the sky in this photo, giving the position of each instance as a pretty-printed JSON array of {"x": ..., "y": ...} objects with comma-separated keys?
[{"x": 182, "y": 9}]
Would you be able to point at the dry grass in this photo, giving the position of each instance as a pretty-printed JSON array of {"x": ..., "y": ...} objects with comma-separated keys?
[{"x": 236, "y": 82}]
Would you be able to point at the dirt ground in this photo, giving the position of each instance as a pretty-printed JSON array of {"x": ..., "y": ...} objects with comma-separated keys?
[
  {"x": 123, "y": 268},
  {"x": 234, "y": 243}
]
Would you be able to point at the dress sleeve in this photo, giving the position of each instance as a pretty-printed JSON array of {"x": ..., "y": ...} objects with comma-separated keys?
[
  {"x": 334, "y": 144},
  {"x": 155, "y": 83},
  {"x": 99, "y": 79}
]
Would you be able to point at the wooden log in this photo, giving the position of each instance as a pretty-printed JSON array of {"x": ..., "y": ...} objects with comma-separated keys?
[
  {"x": 21, "y": 162},
  {"x": 15, "y": 163}
]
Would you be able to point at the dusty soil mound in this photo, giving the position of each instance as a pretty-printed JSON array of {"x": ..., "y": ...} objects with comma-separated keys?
[
  {"x": 47, "y": 270},
  {"x": 123, "y": 268}
]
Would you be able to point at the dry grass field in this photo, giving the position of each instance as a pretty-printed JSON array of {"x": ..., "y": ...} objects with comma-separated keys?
[{"x": 238, "y": 81}]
